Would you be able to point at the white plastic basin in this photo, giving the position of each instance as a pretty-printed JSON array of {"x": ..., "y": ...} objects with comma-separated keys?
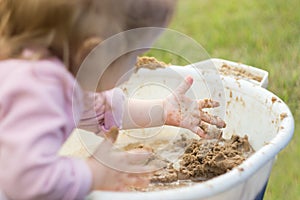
[{"x": 249, "y": 109}]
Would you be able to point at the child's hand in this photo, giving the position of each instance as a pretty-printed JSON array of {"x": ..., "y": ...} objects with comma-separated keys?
[
  {"x": 184, "y": 112},
  {"x": 114, "y": 170}
]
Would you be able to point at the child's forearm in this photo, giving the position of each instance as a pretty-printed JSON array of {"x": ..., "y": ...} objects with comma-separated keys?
[{"x": 143, "y": 113}]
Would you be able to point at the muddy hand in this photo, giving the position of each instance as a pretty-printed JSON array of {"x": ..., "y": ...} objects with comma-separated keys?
[
  {"x": 184, "y": 112},
  {"x": 110, "y": 179},
  {"x": 114, "y": 157},
  {"x": 114, "y": 169}
]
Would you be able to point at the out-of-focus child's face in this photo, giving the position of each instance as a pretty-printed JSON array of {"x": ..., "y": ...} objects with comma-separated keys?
[
  {"x": 117, "y": 73},
  {"x": 128, "y": 15},
  {"x": 122, "y": 68}
]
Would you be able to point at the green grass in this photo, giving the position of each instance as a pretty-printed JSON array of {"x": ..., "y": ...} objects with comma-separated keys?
[{"x": 264, "y": 34}]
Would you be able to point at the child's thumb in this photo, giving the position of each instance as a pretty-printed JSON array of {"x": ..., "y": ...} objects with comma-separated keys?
[{"x": 185, "y": 85}]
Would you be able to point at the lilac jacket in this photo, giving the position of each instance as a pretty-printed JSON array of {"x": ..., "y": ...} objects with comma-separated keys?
[{"x": 40, "y": 105}]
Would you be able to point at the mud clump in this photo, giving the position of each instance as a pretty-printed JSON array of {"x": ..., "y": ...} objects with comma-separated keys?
[
  {"x": 238, "y": 73},
  {"x": 150, "y": 63},
  {"x": 167, "y": 175},
  {"x": 199, "y": 161},
  {"x": 203, "y": 160}
]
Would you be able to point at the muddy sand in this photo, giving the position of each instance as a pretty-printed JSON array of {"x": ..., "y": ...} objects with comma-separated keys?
[{"x": 202, "y": 160}]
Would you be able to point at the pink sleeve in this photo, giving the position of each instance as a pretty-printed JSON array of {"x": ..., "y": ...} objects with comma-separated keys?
[
  {"x": 103, "y": 111},
  {"x": 35, "y": 120}
]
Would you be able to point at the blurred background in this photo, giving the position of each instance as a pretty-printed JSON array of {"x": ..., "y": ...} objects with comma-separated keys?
[{"x": 264, "y": 34}]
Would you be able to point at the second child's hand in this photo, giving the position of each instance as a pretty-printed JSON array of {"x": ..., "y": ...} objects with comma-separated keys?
[{"x": 116, "y": 170}]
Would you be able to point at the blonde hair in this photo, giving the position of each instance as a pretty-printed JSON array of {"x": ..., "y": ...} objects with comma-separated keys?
[
  {"x": 65, "y": 27},
  {"x": 33, "y": 23}
]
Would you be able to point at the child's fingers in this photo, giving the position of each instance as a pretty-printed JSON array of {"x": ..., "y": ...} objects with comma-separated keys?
[
  {"x": 199, "y": 131},
  {"x": 134, "y": 161},
  {"x": 103, "y": 149},
  {"x": 107, "y": 144},
  {"x": 208, "y": 103},
  {"x": 214, "y": 120},
  {"x": 138, "y": 156},
  {"x": 140, "y": 180},
  {"x": 130, "y": 181},
  {"x": 138, "y": 168},
  {"x": 211, "y": 132},
  {"x": 185, "y": 85},
  {"x": 204, "y": 126}
]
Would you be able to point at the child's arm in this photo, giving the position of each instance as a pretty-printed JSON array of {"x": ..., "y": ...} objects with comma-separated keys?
[
  {"x": 143, "y": 113},
  {"x": 110, "y": 108},
  {"x": 176, "y": 110}
]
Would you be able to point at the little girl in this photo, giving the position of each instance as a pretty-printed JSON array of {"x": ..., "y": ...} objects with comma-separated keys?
[{"x": 42, "y": 44}]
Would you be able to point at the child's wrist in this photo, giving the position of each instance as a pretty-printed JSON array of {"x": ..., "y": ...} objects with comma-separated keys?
[
  {"x": 92, "y": 165},
  {"x": 158, "y": 113},
  {"x": 171, "y": 115},
  {"x": 96, "y": 173}
]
